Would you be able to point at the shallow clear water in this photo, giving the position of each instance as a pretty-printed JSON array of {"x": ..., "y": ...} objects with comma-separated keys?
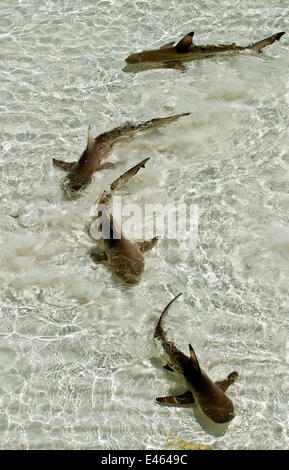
[{"x": 79, "y": 367}]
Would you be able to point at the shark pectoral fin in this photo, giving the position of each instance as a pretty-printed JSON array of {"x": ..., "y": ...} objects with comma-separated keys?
[
  {"x": 147, "y": 244},
  {"x": 168, "y": 368},
  {"x": 105, "y": 166},
  {"x": 169, "y": 44},
  {"x": 185, "y": 43},
  {"x": 228, "y": 45},
  {"x": 224, "y": 384},
  {"x": 98, "y": 257},
  {"x": 182, "y": 400},
  {"x": 175, "y": 64},
  {"x": 63, "y": 165}
]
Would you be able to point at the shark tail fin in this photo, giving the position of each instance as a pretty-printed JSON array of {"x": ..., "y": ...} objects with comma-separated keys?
[
  {"x": 122, "y": 179},
  {"x": 258, "y": 46},
  {"x": 106, "y": 195},
  {"x": 130, "y": 128},
  {"x": 159, "y": 328},
  {"x": 185, "y": 43},
  {"x": 158, "y": 122}
]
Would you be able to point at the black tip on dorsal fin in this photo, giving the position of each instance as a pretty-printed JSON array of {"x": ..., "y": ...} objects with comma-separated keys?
[
  {"x": 194, "y": 359},
  {"x": 90, "y": 139},
  {"x": 185, "y": 43}
]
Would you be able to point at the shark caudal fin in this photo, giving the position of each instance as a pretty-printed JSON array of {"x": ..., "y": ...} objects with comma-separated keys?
[
  {"x": 158, "y": 122},
  {"x": 106, "y": 195},
  {"x": 159, "y": 328},
  {"x": 128, "y": 129},
  {"x": 258, "y": 46},
  {"x": 185, "y": 43},
  {"x": 128, "y": 174}
]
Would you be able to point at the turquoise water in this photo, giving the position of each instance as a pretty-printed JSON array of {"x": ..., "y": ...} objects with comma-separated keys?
[{"x": 79, "y": 367}]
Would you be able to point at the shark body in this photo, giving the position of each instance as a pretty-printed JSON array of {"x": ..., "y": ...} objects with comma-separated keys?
[
  {"x": 172, "y": 56},
  {"x": 208, "y": 395},
  {"x": 80, "y": 173},
  {"x": 123, "y": 256}
]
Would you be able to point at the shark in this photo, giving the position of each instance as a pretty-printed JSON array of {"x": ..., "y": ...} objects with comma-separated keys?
[
  {"x": 173, "y": 56},
  {"x": 201, "y": 390},
  {"x": 124, "y": 257},
  {"x": 80, "y": 173}
]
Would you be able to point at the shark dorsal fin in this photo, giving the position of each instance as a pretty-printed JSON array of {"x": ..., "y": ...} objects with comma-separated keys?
[
  {"x": 194, "y": 359},
  {"x": 111, "y": 233},
  {"x": 90, "y": 140},
  {"x": 185, "y": 43}
]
